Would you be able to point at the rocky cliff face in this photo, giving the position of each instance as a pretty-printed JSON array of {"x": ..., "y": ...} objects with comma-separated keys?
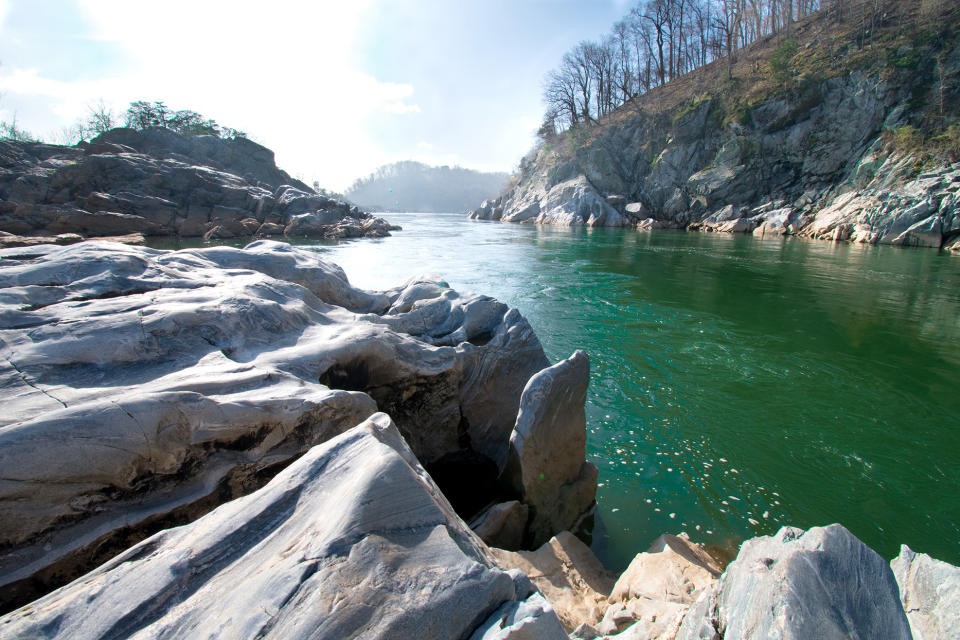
[
  {"x": 810, "y": 160},
  {"x": 156, "y": 182}
]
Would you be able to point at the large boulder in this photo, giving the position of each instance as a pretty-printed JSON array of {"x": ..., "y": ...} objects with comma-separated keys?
[
  {"x": 930, "y": 592},
  {"x": 823, "y": 583},
  {"x": 546, "y": 464},
  {"x": 164, "y": 383},
  {"x": 353, "y": 539}
]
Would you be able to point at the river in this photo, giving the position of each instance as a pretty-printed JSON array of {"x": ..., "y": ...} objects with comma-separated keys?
[{"x": 737, "y": 384}]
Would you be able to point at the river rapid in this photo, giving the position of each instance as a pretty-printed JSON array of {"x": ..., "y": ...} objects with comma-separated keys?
[{"x": 737, "y": 384}]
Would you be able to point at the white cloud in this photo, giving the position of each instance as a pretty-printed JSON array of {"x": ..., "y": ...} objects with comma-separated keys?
[
  {"x": 4, "y": 10},
  {"x": 283, "y": 71}
]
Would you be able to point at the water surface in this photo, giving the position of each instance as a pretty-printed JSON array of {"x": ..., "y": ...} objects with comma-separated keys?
[{"x": 737, "y": 384}]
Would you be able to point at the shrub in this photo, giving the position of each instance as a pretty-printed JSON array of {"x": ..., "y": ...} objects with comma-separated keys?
[{"x": 780, "y": 60}]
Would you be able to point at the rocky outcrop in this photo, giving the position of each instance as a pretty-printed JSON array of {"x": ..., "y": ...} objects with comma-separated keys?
[
  {"x": 546, "y": 464},
  {"x": 930, "y": 593},
  {"x": 823, "y": 583},
  {"x": 353, "y": 539},
  {"x": 567, "y": 573},
  {"x": 158, "y": 183},
  {"x": 142, "y": 388},
  {"x": 813, "y": 160},
  {"x": 650, "y": 598}
]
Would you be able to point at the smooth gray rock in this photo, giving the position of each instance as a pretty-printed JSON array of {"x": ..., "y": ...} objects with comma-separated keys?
[
  {"x": 530, "y": 619},
  {"x": 142, "y": 388},
  {"x": 546, "y": 464},
  {"x": 930, "y": 593},
  {"x": 353, "y": 539},
  {"x": 823, "y": 583}
]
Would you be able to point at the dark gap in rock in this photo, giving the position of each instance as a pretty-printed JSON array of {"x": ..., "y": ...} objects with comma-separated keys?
[
  {"x": 481, "y": 339},
  {"x": 468, "y": 480},
  {"x": 349, "y": 376}
]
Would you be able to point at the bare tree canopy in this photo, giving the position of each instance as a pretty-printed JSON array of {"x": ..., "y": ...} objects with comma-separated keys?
[{"x": 656, "y": 41}]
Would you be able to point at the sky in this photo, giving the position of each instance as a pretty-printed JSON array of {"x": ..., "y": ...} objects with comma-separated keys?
[{"x": 336, "y": 89}]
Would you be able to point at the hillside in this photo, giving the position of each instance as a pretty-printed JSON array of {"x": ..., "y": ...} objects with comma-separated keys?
[
  {"x": 158, "y": 182},
  {"x": 414, "y": 186},
  {"x": 851, "y": 134}
]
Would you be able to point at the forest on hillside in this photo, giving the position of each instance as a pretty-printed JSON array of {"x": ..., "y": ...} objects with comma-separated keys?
[
  {"x": 660, "y": 40},
  {"x": 414, "y": 186}
]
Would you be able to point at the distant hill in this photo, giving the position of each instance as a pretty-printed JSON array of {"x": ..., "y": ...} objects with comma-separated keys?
[{"x": 414, "y": 186}]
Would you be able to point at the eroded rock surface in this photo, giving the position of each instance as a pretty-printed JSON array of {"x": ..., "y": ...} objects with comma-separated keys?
[
  {"x": 142, "y": 388},
  {"x": 352, "y": 540},
  {"x": 930, "y": 592},
  {"x": 156, "y": 182},
  {"x": 546, "y": 465}
]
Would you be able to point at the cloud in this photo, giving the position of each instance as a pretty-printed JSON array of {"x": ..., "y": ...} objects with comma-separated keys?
[{"x": 283, "y": 71}]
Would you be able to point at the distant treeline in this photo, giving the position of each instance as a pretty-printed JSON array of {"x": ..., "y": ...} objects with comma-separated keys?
[
  {"x": 656, "y": 41},
  {"x": 414, "y": 186}
]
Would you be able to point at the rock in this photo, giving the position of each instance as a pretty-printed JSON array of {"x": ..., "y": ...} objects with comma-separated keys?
[
  {"x": 823, "y": 583},
  {"x": 574, "y": 203},
  {"x": 673, "y": 569},
  {"x": 157, "y": 182},
  {"x": 530, "y": 619},
  {"x": 356, "y": 516},
  {"x": 637, "y": 209},
  {"x": 584, "y": 632},
  {"x": 568, "y": 574},
  {"x": 546, "y": 463},
  {"x": 702, "y": 619},
  {"x": 650, "y": 598},
  {"x": 9, "y": 240},
  {"x": 930, "y": 593},
  {"x": 503, "y": 525},
  {"x": 643, "y": 619},
  {"x": 188, "y": 378}
]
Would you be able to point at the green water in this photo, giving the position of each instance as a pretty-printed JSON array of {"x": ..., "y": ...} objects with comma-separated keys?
[{"x": 737, "y": 384}]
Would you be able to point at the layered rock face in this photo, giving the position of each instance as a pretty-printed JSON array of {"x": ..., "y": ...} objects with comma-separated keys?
[
  {"x": 156, "y": 182},
  {"x": 142, "y": 388},
  {"x": 810, "y": 162},
  {"x": 352, "y": 540}
]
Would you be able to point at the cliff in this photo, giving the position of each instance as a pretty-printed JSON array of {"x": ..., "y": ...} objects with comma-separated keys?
[
  {"x": 858, "y": 140},
  {"x": 157, "y": 182}
]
